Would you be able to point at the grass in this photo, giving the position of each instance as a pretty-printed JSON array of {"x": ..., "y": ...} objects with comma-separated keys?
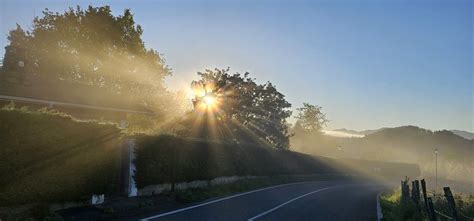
[
  {"x": 200, "y": 194},
  {"x": 395, "y": 210}
]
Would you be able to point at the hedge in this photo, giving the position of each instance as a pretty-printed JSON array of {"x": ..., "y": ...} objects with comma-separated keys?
[
  {"x": 167, "y": 159},
  {"x": 50, "y": 157}
]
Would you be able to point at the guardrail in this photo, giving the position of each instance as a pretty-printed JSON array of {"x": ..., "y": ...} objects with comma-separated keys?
[{"x": 51, "y": 103}]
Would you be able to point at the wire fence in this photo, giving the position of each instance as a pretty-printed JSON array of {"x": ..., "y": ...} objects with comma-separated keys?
[{"x": 423, "y": 200}]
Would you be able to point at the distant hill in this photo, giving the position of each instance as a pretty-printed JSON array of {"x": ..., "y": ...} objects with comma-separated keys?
[
  {"x": 409, "y": 144},
  {"x": 465, "y": 134},
  {"x": 343, "y": 132}
]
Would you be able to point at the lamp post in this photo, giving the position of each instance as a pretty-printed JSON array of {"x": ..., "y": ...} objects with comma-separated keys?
[{"x": 436, "y": 166}]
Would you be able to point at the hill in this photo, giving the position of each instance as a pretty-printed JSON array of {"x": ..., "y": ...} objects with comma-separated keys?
[
  {"x": 465, "y": 134},
  {"x": 408, "y": 144},
  {"x": 343, "y": 132}
]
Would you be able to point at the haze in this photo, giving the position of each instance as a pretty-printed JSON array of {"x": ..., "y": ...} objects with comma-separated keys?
[{"x": 369, "y": 64}]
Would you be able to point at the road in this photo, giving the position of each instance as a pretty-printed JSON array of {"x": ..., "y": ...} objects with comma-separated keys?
[{"x": 322, "y": 200}]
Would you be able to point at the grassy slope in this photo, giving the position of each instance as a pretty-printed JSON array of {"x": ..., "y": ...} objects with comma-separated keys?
[
  {"x": 49, "y": 157},
  {"x": 393, "y": 209}
]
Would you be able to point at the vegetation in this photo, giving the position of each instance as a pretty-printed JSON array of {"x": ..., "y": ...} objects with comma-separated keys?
[
  {"x": 50, "y": 157},
  {"x": 394, "y": 209},
  {"x": 311, "y": 119},
  {"x": 93, "y": 50},
  {"x": 169, "y": 159},
  {"x": 257, "y": 111},
  {"x": 464, "y": 204}
]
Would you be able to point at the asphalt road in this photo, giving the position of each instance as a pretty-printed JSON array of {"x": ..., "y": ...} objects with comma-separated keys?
[{"x": 322, "y": 200}]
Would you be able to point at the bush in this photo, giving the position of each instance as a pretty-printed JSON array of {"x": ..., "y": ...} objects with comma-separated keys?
[
  {"x": 167, "y": 159},
  {"x": 50, "y": 157}
]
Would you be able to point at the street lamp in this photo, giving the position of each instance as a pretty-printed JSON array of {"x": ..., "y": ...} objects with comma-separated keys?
[{"x": 436, "y": 166}]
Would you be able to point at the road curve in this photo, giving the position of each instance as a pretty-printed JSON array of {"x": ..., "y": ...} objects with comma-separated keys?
[{"x": 321, "y": 200}]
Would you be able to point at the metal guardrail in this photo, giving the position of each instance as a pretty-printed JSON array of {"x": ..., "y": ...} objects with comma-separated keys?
[{"x": 66, "y": 104}]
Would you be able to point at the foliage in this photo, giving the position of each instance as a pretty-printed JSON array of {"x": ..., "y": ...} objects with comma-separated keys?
[
  {"x": 311, "y": 118},
  {"x": 393, "y": 209},
  {"x": 89, "y": 47},
  {"x": 245, "y": 105},
  {"x": 464, "y": 204},
  {"x": 167, "y": 159},
  {"x": 50, "y": 157}
]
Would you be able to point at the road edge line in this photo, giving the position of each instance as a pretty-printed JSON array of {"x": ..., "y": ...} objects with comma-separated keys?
[{"x": 221, "y": 199}]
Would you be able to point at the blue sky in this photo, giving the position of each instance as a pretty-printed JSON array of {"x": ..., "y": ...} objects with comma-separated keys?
[{"x": 369, "y": 64}]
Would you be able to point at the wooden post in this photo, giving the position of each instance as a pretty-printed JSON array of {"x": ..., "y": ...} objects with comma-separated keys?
[
  {"x": 451, "y": 203},
  {"x": 405, "y": 190},
  {"x": 417, "y": 192},
  {"x": 431, "y": 210},
  {"x": 423, "y": 189}
]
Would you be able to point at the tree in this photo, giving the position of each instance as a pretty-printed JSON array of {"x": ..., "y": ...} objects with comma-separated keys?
[
  {"x": 15, "y": 52},
  {"x": 250, "y": 111},
  {"x": 90, "y": 47},
  {"x": 310, "y": 118}
]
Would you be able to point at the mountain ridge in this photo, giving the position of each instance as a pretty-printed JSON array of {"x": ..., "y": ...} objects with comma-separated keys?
[{"x": 354, "y": 133}]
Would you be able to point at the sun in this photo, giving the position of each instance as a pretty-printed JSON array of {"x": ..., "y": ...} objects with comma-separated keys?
[{"x": 209, "y": 100}]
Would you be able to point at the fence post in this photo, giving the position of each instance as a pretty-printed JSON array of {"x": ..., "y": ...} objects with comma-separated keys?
[
  {"x": 451, "y": 203},
  {"x": 417, "y": 193},
  {"x": 423, "y": 189},
  {"x": 431, "y": 211},
  {"x": 405, "y": 190}
]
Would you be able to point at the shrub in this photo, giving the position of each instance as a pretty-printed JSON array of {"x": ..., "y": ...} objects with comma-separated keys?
[
  {"x": 50, "y": 157},
  {"x": 167, "y": 159}
]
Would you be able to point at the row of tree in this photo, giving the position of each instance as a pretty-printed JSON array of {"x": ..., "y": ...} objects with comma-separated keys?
[{"x": 95, "y": 48}]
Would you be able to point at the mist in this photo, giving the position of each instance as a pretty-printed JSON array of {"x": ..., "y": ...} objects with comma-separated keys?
[{"x": 406, "y": 144}]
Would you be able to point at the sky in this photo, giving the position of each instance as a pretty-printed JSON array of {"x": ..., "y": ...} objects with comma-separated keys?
[{"x": 369, "y": 64}]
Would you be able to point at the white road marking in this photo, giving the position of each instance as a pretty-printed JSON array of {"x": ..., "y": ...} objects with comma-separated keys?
[
  {"x": 379, "y": 209},
  {"x": 299, "y": 197},
  {"x": 221, "y": 199}
]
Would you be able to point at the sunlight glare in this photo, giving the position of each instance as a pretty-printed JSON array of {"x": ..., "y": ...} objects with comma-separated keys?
[{"x": 209, "y": 100}]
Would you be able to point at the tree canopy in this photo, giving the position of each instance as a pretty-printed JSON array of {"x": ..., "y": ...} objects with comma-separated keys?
[
  {"x": 90, "y": 47},
  {"x": 310, "y": 118},
  {"x": 258, "y": 111}
]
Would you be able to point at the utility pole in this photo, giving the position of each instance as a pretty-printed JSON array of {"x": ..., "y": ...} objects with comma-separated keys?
[{"x": 436, "y": 166}]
